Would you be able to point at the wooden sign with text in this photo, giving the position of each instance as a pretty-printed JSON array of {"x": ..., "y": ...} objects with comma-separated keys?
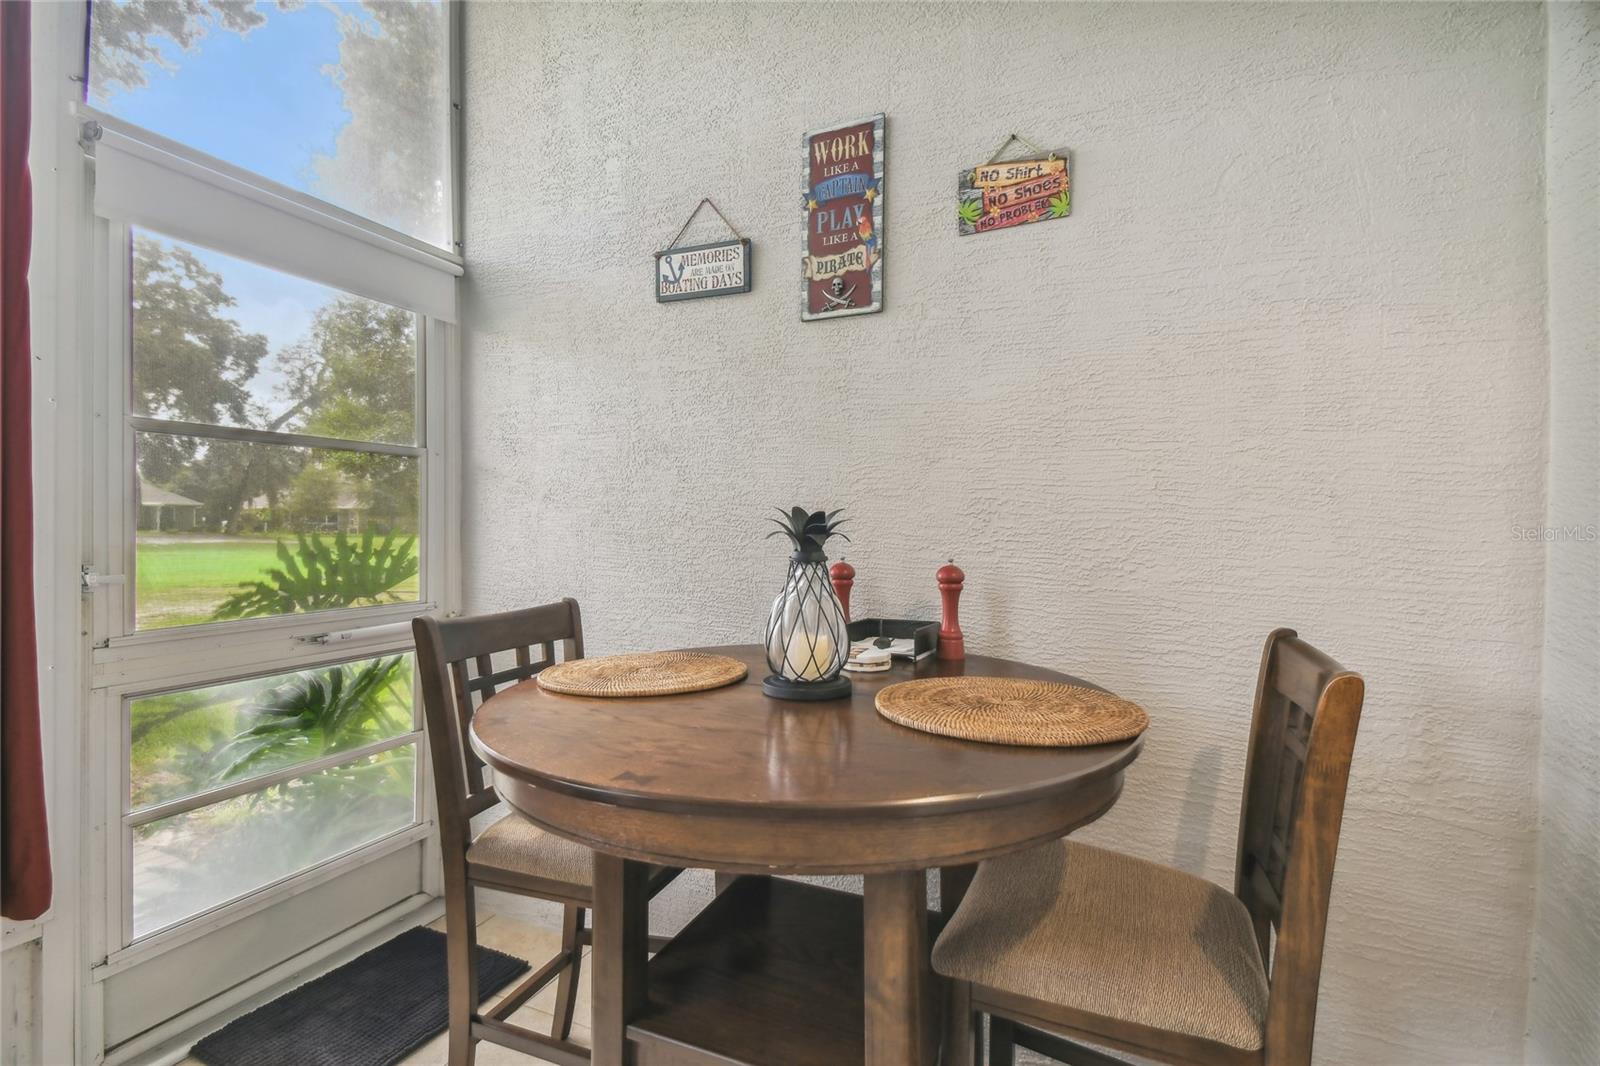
[
  {"x": 995, "y": 196},
  {"x": 841, "y": 190}
]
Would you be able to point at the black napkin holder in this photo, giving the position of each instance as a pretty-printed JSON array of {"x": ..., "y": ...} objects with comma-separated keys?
[{"x": 924, "y": 636}]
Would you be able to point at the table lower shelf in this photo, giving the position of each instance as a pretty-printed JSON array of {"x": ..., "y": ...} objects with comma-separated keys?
[{"x": 769, "y": 974}]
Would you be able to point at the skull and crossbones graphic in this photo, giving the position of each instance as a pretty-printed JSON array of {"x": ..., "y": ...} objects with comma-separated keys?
[{"x": 840, "y": 296}]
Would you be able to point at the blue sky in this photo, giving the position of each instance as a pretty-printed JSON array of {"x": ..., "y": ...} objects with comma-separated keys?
[{"x": 264, "y": 101}]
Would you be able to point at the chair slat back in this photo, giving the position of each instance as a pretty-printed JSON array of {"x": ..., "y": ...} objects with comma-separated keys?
[
  {"x": 1302, "y": 737},
  {"x": 455, "y": 660}
]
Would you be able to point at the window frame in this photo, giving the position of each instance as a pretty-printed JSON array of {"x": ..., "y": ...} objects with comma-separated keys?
[
  {"x": 114, "y": 549},
  {"x": 123, "y": 629},
  {"x": 291, "y": 231},
  {"x": 126, "y": 663},
  {"x": 123, "y": 662},
  {"x": 118, "y": 832}
]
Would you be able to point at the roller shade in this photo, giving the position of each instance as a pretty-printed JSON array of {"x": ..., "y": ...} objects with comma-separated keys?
[{"x": 137, "y": 180}]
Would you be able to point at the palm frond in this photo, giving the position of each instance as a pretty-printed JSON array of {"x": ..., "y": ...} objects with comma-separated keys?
[
  {"x": 316, "y": 713},
  {"x": 318, "y": 576}
]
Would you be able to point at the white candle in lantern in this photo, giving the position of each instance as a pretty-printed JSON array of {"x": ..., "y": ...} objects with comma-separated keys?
[{"x": 810, "y": 660}]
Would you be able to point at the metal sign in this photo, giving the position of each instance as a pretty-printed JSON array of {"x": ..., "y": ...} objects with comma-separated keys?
[
  {"x": 719, "y": 269},
  {"x": 842, "y": 203}
]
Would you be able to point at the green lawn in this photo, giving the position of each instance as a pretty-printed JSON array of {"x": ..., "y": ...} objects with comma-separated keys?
[{"x": 182, "y": 578}]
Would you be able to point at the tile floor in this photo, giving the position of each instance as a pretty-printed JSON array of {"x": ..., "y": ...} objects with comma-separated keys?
[
  {"x": 536, "y": 944},
  {"x": 524, "y": 941}
]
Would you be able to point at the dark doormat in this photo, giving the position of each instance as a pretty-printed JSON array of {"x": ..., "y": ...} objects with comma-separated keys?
[{"x": 372, "y": 1011}]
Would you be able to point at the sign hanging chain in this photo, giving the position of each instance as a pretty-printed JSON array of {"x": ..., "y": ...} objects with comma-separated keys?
[
  {"x": 704, "y": 201},
  {"x": 1007, "y": 143}
]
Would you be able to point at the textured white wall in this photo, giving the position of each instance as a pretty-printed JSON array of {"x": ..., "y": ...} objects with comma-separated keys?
[
  {"x": 1564, "y": 997},
  {"x": 1285, "y": 364}
]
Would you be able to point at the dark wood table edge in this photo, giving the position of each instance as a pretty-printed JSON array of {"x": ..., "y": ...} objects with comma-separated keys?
[
  {"x": 1122, "y": 754},
  {"x": 510, "y": 790}
]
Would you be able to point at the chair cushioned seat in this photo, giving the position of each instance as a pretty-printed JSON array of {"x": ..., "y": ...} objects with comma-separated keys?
[
  {"x": 1095, "y": 931},
  {"x": 516, "y": 844}
]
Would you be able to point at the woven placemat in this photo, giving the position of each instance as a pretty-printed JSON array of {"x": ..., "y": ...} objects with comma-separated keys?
[
  {"x": 651, "y": 673},
  {"x": 1008, "y": 710}
]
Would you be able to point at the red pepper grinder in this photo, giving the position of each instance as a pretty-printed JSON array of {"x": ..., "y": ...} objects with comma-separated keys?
[
  {"x": 951, "y": 581},
  {"x": 843, "y": 576}
]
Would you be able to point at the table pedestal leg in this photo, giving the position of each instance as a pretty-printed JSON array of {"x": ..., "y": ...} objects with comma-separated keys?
[
  {"x": 620, "y": 954},
  {"x": 896, "y": 969}
]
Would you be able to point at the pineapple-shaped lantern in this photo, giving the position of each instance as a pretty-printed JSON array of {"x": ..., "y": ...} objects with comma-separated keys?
[{"x": 806, "y": 640}]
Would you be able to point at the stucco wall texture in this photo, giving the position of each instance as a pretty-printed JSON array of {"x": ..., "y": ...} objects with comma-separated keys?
[
  {"x": 1564, "y": 997},
  {"x": 1284, "y": 365}
]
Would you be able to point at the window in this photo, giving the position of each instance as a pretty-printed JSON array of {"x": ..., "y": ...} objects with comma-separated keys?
[
  {"x": 236, "y": 786},
  {"x": 348, "y": 102},
  {"x": 191, "y": 862},
  {"x": 273, "y": 309},
  {"x": 233, "y": 528},
  {"x": 226, "y": 342},
  {"x": 269, "y": 530},
  {"x": 184, "y": 743}
]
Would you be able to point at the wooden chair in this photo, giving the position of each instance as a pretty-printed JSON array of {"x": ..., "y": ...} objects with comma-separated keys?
[
  {"x": 1141, "y": 958},
  {"x": 455, "y": 661}
]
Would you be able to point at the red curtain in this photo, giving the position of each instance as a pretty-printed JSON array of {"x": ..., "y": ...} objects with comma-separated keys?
[{"x": 24, "y": 840}]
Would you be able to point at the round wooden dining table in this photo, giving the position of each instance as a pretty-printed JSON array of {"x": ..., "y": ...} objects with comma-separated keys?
[{"x": 772, "y": 970}]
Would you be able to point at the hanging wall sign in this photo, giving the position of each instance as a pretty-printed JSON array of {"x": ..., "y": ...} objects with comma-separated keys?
[
  {"x": 693, "y": 271},
  {"x": 703, "y": 270},
  {"x": 999, "y": 195},
  {"x": 842, "y": 202}
]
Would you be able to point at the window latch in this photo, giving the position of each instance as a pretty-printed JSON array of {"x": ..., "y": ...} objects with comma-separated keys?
[
  {"x": 92, "y": 580},
  {"x": 380, "y": 632}
]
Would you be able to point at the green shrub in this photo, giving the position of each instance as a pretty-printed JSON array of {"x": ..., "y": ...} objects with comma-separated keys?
[{"x": 319, "y": 576}]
